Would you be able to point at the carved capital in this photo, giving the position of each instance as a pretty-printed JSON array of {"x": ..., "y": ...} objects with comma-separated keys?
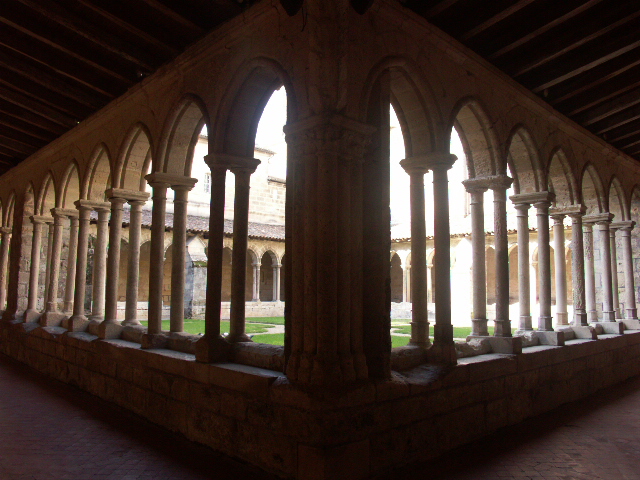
[{"x": 599, "y": 218}]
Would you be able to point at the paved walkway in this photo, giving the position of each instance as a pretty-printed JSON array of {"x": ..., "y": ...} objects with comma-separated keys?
[{"x": 51, "y": 431}]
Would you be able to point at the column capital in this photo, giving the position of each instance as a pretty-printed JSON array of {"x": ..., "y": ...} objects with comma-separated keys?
[
  {"x": 568, "y": 210},
  {"x": 522, "y": 209},
  {"x": 127, "y": 195},
  {"x": 91, "y": 205},
  {"x": 624, "y": 225},
  {"x": 227, "y": 161},
  {"x": 598, "y": 218},
  {"x": 558, "y": 218},
  {"x": 162, "y": 179},
  {"x": 482, "y": 184},
  {"x": 186, "y": 185},
  {"x": 428, "y": 161},
  {"x": 40, "y": 219},
  {"x": 64, "y": 212}
]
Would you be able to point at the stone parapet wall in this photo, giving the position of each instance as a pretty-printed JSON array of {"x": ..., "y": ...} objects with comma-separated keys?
[{"x": 257, "y": 415}]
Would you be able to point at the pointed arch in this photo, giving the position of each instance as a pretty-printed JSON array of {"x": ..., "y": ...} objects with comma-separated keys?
[
  {"x": 70, "y": 186},
  {"x": 234, "y": 131},
  {"x": 593, "y": 191},
  {"x": 134, "y": 159},
  {"x": 413, "y": 102},
  {"x": 617, "y": 200},
  {"x": 524, "y": 161},
  {"x": 7, "y": 219},
  {"x": 98, "y": 177},
  {"x": 478, "y": 139},
  {"x": 46, "y": 199},
  {"x": 561, "y": 181},
  {"x": 181, "y": 132}
]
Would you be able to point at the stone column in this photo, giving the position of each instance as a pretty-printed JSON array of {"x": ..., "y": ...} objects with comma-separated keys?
[
  {"x": 256, "y": 282},
  {"x": 615, "y": 297},
  {"x": 100, "y": 265},
  {"x": 524, "y": 284},
  {"x": 239, "y": 254},
  {"x": 603, "y": 221},
  {"x": 133, "y": 263},
  {"x": 72, "y": 256},
  {"x": 47, "y": 273},
  {"x": 159, "y": 183},
  {"x": 561, "y": 270},
  {"x": 589, "y": 274},
  {"x": 32, "y": 314},
  {"x": 78, "y": 321},
  {"x": 179, "y": 250},
  {"x": 110, "y": 327},
  {"x": 416, "y": 168},
  {"x": 276, "y": 282},
  {"x": 476, "y": 188},
  {"x": 499, "y": 185},
  {"x": 627, "y": 260},
  {"x": 443, "y": 350},
  {"x": 544, "y": 265},
  {"x": 52, "y": 316},
  {"x": 212, "y": 347},
  {"x": 578, "y": 270},
  {"x": 4, "y": 262}
]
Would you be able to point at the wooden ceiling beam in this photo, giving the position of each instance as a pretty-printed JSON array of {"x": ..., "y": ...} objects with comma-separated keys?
[
  {"x": 37, "y": 107},
  {"x": 11, "y": 123},
  {"x": 439, "y": 7},
  {"x": 11, "y": 161},
  {"x": 608, "y": 108},
  {"x": 27, "y": 68},
  {"x": 187, "y": 24},
  {"x": 77, "y": 25},
  {"x": 62, "y": 46},
  {"x": 550, "y": 25},
  {"x": 615, "y": 121},
  {"x": 24, "y": 138},
  {"x": 620, "y": 133},
  {"x": 628, "y": 142},
  {"x": 168, "y": 50},
  {"x": 562, "y": 45},
  {"x": 69, "y": 67},
  {"x": 504, "y": 14},
  {"x": 29, "y": 117},
  {"x": 18, "y": 146},
  {"x": 7, "y": 149}
]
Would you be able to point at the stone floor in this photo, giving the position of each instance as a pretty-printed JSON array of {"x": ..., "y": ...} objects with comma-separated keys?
[{"x": 50, "y": 431}]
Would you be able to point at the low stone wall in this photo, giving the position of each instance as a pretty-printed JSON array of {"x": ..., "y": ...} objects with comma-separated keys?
[{"x": 257, "y": 415}]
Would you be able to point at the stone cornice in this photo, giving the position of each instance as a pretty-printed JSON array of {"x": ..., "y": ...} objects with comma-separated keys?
[
  {"x": 532, "y": 198},
  {"x": 128, "y": 195},
  {"x": 97, "y": 206},
  {"x": 64, "y": 212},
  {"x": 569, "y": 210},
  {"x": 623, "y": 224},
  {"x": 598, "y": 218}
]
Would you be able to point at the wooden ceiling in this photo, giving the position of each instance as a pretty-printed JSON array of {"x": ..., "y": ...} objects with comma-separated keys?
[
  {"x": 580, "y": 56},
  {"x": 62, "y": 60}
]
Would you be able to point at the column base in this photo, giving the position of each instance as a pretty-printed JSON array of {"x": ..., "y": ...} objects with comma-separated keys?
[
  {"x": 592, "y": 316},
  {"x": 479, "y": 327},
  {"x": 546, "y": 337},
  {"x": 617, "y": 313},
  {"x": 51, "y": 319},
  {"x": 131, "y": 323},
  {"x": 10, "y": 317},
  {"x": 243, "y": 337},
  {"x": 31, "y": 315},
  {"x": 631, "y": 323},
  {"x": 526, "y": 323},
  {"x": 632, "y": 314},
  {"x": 109, "y": 330},
  {"x": 581, "y": 331},
  {"x": 609, "y": 316},
  {"x": 211, "y": 350},
  {"x": 508, "y": 345},
  {"x": 420, "y": 334},
  {"x": 502, "y": 328},
  {"x": 614, "y": 328},
  {"x": 95, "y": 318},
  {"x": 154, "y": 340},
  {"x": 545, "y": 323},
  {"x": 562, "y": 318},
  {"x": 442, "y": 354},
  {"x": 580, "y": 319},
  {"x": 77, "y": 323}
]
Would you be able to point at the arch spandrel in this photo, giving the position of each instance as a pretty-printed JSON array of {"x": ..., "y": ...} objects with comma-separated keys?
[
  {"x": 70, "y": 191},
  {"x": 182, "y": 130},
  {"x": 7, "y": 219},
  {"x": 98, "y": 177},
  {"x": 46, "y": 199},
  {"x": 561, "y": 181},
  {"x": 240, "y": 111},
  {"x": 134, "y": 159},
  {"x": 593, "y": 195},
  {"x": 476, "y": 133},
  {"x": 524, "y": 162},
  {"x": 617, "y": 200}
]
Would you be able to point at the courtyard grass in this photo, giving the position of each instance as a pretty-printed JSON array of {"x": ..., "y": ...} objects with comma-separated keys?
[
  {"x": 278, "y": 339},
  {"x": 458, "y": 332},
  {"x": 196, "y": 326},
  {"x": 269, "y": 320}
]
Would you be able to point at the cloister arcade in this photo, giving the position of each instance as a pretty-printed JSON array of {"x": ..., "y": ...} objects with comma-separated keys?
[{"x": 341, "y": 272}]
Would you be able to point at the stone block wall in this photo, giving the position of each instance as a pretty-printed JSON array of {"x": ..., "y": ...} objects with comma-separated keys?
[{"x": 344, "y": 433}]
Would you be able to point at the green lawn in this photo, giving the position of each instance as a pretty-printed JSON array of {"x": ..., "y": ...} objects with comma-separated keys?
[
  {"x": 197, "y": 326},
  {"x": 278, "y": 339},
  {"x": 458, "y": 332},
  {"x": 269, "y": 320}
]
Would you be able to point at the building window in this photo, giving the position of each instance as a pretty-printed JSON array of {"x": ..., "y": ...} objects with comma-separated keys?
[{"x": 207, "y": 183}]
